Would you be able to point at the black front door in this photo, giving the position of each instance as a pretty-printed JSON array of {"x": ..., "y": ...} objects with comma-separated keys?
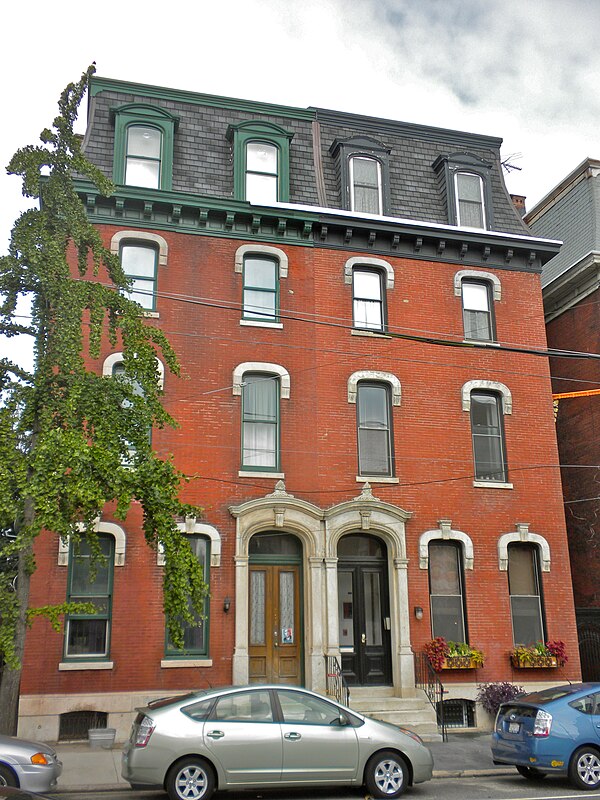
[{"x": 364, "y": 617}]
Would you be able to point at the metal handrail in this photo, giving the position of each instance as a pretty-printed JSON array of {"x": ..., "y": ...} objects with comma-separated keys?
[
  {"x": 335, "y": 681},
  {"x": 426, "y": 679}
]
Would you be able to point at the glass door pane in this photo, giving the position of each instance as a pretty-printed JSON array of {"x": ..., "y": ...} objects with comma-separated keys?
[
  {"x": 372, "y": 599},
  {"x": 257, "y": 607},
  {"x": 286, "y": 607}
]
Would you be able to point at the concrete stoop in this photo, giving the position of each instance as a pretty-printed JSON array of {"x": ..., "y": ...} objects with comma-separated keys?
[{"x": 415, "y": 713}]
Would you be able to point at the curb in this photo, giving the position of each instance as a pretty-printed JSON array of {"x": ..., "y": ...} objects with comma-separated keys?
[{"x": 471, "y": 773}]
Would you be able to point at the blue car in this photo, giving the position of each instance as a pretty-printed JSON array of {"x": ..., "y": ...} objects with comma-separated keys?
[{"x": 552, "y": 732}]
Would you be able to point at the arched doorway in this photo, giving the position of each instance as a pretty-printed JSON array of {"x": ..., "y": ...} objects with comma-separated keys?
[
  {"x": 275, "y": 609},
  {"x": 363, "y": 610}
]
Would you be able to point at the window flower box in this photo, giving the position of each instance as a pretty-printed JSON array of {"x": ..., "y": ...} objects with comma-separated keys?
[
  {"x": 452, "y": 655},
  {"x": 541, "y": 655},
  {"x": 534, "y": 662},
  {"x": 461, "y": 662}
]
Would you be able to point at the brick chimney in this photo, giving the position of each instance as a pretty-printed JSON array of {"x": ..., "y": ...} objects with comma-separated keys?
[{"x": 519, "y": 204}]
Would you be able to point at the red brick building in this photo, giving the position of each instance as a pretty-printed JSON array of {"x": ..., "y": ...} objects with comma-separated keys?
[{"x": 364, "y": 413}]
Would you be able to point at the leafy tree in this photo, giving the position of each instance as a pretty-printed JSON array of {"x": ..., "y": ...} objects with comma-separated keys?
[{"x": 72, "y": 441}]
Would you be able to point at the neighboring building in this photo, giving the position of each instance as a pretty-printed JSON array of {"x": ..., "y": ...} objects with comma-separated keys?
[
  {"x": 571, "y": 281},
  {"x": 356, "y": 306}
]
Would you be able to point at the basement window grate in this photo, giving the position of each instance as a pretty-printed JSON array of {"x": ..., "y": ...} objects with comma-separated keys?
[
  {"x": 458, "y": 713},
  {"x": 74, "y": 725}
]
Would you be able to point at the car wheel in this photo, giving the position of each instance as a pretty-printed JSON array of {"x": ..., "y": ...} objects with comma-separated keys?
[
  {"x": 386, "y": 774},
  {"x": 531, "y": 773},
  {"x": 8, "y": 777},
  {"x": 190, "y": 779},
  {"x": 584, "y": 769}
]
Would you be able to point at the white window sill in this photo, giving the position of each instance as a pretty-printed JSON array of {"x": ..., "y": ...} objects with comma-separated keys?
[
  {"x": 68, "y": 666},
  {"x": 375, "y": 334},
  {"x": 376, "y": 479},
  {"x": 482, "y": 342},
  {"x": 170, "y": 663},
  {"x": 492, "y": 485},
  {"x": 256, "y": 323},
  {"x": 250, "y": 474}
]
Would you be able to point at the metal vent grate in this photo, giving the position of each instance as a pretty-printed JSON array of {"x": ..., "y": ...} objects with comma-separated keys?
[
  {"x": 459, "y": 713},
  {"x": 74, "y": 725}
]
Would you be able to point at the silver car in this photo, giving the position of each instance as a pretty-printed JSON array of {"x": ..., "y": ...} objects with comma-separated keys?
[
  {"x": 267, "y": 737},
  {"x": 28, "y": 765}
]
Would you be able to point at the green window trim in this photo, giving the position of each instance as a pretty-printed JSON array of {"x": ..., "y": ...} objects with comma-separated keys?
[
  {"x": 260, "y": 288},
  {"x": 260, "y": 424},
  {"x": 202, "y": 650},
  {"x": 143, "y": 114},
  {"x": 256, "y": 131},
  {"x": 81, "y": 593},
  {"x": 145, "y": 283}
]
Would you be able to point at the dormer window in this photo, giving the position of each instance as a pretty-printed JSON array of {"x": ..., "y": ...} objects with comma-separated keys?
[
  {"x": 365, "y": 185},
  {"x": 363, "y": 165},
  {"x": 144, "y": 137},
  {"x": 465, "y": 181},
  {"x": 261, "y": 162},
  {"x": 470, "y": 203}
]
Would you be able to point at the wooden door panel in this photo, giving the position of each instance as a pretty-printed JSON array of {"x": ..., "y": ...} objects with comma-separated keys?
[{"x": 274, "y": 640}]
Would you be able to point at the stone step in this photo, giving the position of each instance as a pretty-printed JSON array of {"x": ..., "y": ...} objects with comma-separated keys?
[{"x": 415, "y": 713}]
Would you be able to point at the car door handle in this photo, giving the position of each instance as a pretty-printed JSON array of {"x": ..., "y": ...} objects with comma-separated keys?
[
  {"x": 215, "y": 734},
  {"x": 292, "y": 736}
]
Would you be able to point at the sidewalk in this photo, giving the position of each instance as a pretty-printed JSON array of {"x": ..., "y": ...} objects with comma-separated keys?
[{"x": 85, "y": 769}]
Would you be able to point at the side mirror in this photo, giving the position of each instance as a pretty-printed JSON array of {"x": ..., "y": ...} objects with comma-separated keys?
[{"x": 343, "y": 720}]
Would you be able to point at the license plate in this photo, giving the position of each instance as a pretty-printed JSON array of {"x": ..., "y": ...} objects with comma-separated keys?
[{"x": 514, "y": 727}]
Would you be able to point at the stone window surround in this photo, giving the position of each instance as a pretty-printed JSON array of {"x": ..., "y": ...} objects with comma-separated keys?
[
  {"x": 446, "y": 533},
  {"x": 261, "y": 250},
  {"x": 486, "y": 386},
  {"x": 191, "y": 527},
  {"x": 117, "y": 358},
  {"x": 523, "y": 535},
  {"x": 377, "y": 376},
  {"x": 477, "y": 275},
  {"x": 99, "y": 526},
  {"x": 141, "y": 236},
  {"x": 261, "y": 366},
  {"x": 378, "y": 263}
]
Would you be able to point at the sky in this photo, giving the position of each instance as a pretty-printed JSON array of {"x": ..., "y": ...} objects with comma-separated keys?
[{"x": 526, "y": 71}]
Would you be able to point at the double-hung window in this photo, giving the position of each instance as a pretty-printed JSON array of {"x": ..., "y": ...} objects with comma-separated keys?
[
  {"x": 365, "y": 185},
  {"x": 375, "y": 452},
  {"x": 195, "y": 635},
  {"x": 143, "y": 156},
  {"x": 260, "y": 422},
  {"x": 470, "y": 204},
  {"x": 368, "y": 299},
  {"x": 88, "y": 635},
  {"x": 487, "y": 431},
  {"x": 446, "y": 591},
  {"x": 477, "y": 310},
  {"x": 262, "y": 173},
  {"x": 261, "y": 288},
  {"x": 139, "y": 264},
  {"x": 525, "y": 593}
]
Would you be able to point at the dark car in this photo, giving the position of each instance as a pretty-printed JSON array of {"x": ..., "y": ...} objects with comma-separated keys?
[{"x": 555, "y": 731}]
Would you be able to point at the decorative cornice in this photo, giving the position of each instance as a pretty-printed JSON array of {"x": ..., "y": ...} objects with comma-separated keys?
[{"x": 302, "y": 225}]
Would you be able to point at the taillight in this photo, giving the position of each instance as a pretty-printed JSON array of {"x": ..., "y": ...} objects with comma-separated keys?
[
  {"x": 542, "y": 723},
  {"x": 144, "y": 732}
]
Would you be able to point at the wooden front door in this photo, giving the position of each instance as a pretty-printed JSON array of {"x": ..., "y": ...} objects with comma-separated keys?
[{"x": 275, "y": 645}]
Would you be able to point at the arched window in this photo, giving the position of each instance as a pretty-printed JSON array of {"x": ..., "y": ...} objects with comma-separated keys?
[
  {"x": 374, "y": 429},
  {"x": 470, "y": 205},
  {"x": 446, "y": 590}
]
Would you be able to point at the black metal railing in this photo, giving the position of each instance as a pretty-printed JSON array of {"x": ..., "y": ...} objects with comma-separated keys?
[
  {"x": 335, "y": 681},
  {"x": 426, "y": 679}
]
